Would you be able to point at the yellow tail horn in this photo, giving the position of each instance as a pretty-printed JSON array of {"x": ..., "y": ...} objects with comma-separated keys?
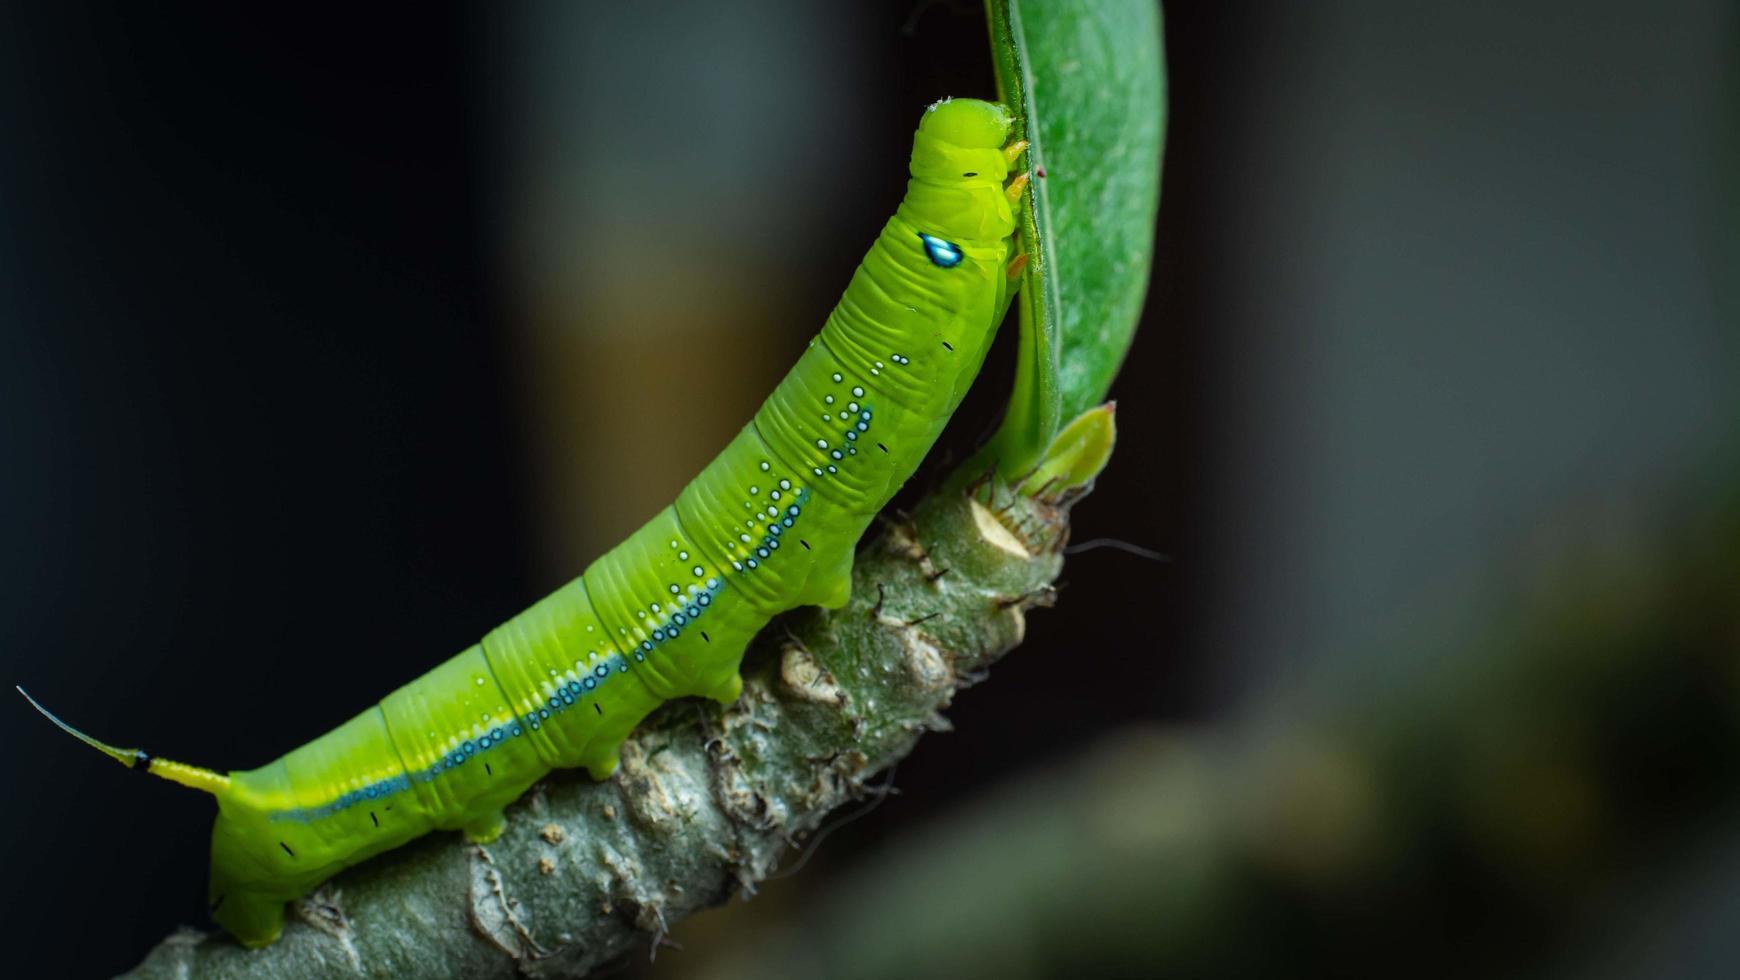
[{"x": 176, "y": 772}]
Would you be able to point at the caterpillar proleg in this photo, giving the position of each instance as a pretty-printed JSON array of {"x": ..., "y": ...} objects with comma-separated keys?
[{"x": 770, "y": 524}]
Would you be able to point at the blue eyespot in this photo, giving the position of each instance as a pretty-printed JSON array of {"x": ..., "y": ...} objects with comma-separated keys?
[{"x": 945, "y": 255}]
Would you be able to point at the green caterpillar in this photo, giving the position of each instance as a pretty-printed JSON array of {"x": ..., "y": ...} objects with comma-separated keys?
[{"x": 769, "y": 525}]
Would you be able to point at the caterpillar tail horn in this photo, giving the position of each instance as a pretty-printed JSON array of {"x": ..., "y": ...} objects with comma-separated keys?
[{"x": 205, "y": 780}]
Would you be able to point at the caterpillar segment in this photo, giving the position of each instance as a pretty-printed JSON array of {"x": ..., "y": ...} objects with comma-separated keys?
[{"x": 770, "y": 524}]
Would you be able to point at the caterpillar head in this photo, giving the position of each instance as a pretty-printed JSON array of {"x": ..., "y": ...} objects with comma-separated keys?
[
  {"x": 958, "y": 169},
  {"x": 968, "y": 123}
]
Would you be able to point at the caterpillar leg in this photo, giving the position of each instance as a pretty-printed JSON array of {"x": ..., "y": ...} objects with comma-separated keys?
[
  {"x": 1015, "y": 188},
  {"x": 728, "y": 692},
  {"x": 603, "y": 768},
  {"x": 1014, "y": 150},
  {"x": 255, "y": 920},
  {"x": 485, "y": 828},
  {"x": 1016, "y": 266}
]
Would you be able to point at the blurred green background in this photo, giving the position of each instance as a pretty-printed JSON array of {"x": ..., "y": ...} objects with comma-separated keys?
[{"x": 329, "y": 339}]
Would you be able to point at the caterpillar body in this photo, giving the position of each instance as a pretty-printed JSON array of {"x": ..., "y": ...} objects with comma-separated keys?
[{"x": 770, "y": 524}]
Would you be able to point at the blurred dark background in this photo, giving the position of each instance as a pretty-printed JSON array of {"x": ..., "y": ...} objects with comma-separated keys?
[{"x": 329, "y": 340}]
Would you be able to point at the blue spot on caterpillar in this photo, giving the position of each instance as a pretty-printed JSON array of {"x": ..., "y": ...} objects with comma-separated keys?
[
  {"x": 944, "y": 254},
  {"x": 668, "y": 612}
]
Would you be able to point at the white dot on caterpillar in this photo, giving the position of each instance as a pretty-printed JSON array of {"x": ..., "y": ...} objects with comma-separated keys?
[
  {"x": 743, "y": 538},
  {"x": 837, "y": 377},
  {"x": 821, "y": 443},
  {"x": 699, "y": 571},
  {"x": 764, "y": 466},
  {"x": 673, "y": 542},
  {"x": 754, "y": 490},
  {"x": 827, "y": 399},
  {"x": 785, "y": 484},
  {"x": 880, "y": 364},
  {"x": 655, "y": 608},
  {"x": 676, "y": 589},
  {"x": 853, "y": 407},
  {"x": 857, "y": 393},
  {"x": 773, "y": 495},
  {"x": 682, "y": 556}
]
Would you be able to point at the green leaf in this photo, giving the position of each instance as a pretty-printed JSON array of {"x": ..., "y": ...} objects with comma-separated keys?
[
  {"x": 1087, "y": 82},
  {"x": 1076, "y": 457}
]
